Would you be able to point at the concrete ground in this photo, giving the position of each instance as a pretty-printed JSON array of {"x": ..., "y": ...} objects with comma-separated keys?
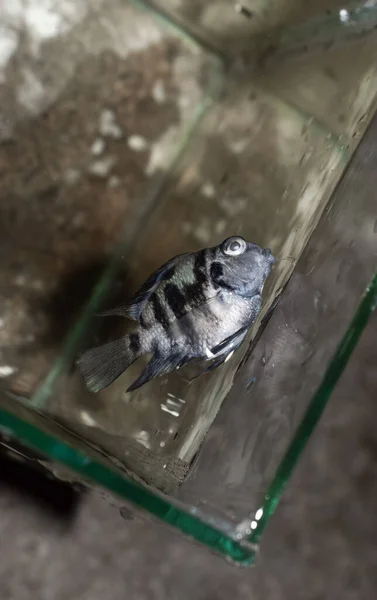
[{"x": 321, "y": 544}]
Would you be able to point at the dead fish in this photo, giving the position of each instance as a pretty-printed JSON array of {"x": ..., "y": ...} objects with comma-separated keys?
[{"x": 198, "y": 305}]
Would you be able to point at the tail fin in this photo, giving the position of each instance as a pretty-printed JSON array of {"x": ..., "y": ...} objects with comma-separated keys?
[{"x": 102, "y": 365}]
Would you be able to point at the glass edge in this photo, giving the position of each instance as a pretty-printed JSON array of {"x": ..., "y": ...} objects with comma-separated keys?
[
  {"x": 242, "y": 551},
  {"x": 187, "y": 34},
  {"x": 314, "y": 411},
  {"x": 93, "y": 471}
]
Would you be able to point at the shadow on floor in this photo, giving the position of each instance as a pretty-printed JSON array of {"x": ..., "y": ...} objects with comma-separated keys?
[{"x": 37, "y": 486}]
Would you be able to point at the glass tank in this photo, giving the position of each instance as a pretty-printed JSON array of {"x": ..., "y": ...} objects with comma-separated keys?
[{"x": 132, "y": 132}]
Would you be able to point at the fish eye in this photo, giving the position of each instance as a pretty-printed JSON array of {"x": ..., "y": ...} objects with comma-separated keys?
[{"x": 234, "y": 246}]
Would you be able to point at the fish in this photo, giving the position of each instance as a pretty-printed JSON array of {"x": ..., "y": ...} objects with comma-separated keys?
[{"x": 197, "y": 306}]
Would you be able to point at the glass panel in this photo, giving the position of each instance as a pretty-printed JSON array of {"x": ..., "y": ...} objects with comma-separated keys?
[
  {"x": 75, "y": 165},
  {"x": 138, "y": 145}
]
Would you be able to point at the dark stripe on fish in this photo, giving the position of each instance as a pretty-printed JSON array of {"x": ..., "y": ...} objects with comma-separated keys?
[
  {"x": 158, "y": 311},
  {"x": 134, "y": 343},
  {"x": 169, "y": 274},
  {"x": 216, "y": 272},
  {"x": 186, "y": 327},
  {"x": 217, "y": 276},
  {"x": 175, "y": 299},
  {"x": 200, "y": 267},
  {"x": 194, "y": 295},
  {"x": 195, "y": 292}
]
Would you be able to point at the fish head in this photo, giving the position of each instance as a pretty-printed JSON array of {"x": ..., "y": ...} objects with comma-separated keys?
[{"x": 245, "y": 266}]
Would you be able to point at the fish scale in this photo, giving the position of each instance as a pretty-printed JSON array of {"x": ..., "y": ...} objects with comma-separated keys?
[{"x": 198, "y": 305}]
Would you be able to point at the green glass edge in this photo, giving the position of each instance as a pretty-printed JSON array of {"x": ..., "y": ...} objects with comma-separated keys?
[
  {"x": 315, "y": 409},
  {"x": 97, "y": 473},
  {"x": 188, "y": 36},
  {"x": 81, "y": 464}
]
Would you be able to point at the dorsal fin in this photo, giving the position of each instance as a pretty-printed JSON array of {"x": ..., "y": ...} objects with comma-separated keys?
[{"x": 138, "y": 301}]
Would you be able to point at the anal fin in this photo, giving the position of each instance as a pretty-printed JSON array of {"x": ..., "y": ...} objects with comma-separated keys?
[{"x": 157, "y": 366}]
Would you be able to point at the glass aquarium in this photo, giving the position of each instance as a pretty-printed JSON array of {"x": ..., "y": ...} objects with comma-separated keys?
[{"x": 131, "y": 132}]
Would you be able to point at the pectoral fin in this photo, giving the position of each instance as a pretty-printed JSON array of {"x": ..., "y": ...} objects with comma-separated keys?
[
  {"x": 231, "y": 343},
  {"x": 214, "y": 365}
]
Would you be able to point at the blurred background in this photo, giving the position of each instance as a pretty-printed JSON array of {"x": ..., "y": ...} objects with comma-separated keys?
[{"x": 74, "y": 154}]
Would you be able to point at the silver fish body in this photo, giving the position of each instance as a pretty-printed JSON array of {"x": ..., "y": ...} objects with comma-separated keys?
[{"x": 198, "y": 305}]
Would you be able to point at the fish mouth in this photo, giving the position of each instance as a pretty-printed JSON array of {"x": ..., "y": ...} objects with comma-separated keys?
[{"x": 269, "y": 256}]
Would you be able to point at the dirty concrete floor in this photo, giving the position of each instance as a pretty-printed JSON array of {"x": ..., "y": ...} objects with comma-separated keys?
[{"x": 319, "y": 545}]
